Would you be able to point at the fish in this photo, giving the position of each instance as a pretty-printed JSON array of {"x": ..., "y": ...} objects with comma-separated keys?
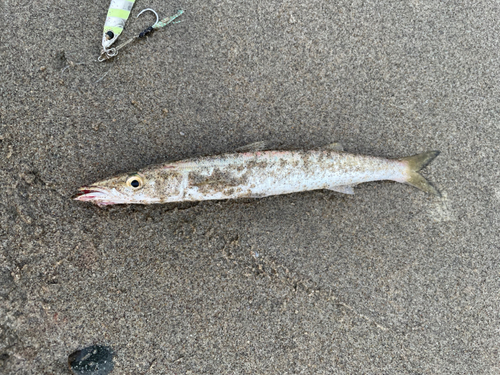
[{"x": 254, "y": 172}]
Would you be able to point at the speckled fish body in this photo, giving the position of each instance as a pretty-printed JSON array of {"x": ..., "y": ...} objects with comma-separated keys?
[{"x": 253, "y": 175}]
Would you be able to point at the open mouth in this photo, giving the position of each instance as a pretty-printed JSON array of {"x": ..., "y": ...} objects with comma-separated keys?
[
  {"x": 92, "y": 194},
  {"x": 87, "y": 193}
]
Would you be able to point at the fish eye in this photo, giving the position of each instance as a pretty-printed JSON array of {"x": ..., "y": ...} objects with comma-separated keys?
[
  {"x": 110, "y": 35},
  {"x": 135, "y": 182}
]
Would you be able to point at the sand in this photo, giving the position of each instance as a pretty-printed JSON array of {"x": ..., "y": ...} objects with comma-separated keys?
[{"x": 388, "y": 281}]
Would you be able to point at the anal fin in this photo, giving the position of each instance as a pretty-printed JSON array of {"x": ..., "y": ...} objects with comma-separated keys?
[{"x": 345, "y": 189}]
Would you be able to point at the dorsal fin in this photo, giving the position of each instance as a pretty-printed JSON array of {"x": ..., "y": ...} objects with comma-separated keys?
[
  {"x": 256, "y": 146},
  {"x": 333, "y": 147}
]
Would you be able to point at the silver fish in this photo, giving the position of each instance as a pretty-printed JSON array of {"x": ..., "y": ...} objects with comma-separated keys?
[{"x": 256, "y": 173}]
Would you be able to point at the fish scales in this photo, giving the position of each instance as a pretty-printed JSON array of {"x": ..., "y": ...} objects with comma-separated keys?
[
  {"x": 255, "y": 174},
  {"x": 271, "y": 173}
]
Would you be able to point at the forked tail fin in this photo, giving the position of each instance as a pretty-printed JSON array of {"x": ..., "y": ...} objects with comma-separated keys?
[{"x": 415, "y": 164}]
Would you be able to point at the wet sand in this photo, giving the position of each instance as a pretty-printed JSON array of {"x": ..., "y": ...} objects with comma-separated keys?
[{"x": 388, "y": 281}]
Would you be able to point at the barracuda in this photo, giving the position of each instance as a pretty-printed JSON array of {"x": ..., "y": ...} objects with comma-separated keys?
[{"x": 254, "y": 173}]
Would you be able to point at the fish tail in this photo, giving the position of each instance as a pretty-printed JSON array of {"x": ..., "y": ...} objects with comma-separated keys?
[{"x": 415, "y": 164}]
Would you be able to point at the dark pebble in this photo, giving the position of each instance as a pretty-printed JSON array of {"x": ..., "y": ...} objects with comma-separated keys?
[{"x": 92, "y": 360}]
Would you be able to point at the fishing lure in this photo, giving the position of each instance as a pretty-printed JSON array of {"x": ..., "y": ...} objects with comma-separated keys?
[{"x": 118, "y": 13}]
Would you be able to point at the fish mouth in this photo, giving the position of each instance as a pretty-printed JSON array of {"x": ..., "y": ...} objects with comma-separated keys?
[{"x": 93, "y": 194}]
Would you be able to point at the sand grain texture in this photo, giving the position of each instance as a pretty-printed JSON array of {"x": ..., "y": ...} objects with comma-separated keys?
[{"x": 389, "y": 280}]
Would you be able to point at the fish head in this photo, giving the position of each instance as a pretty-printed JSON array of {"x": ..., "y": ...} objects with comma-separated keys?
[{"x": 128, "y": 188}]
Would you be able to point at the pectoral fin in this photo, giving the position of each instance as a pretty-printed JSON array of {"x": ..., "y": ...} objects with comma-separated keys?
[{"x": 345, "y": 189}]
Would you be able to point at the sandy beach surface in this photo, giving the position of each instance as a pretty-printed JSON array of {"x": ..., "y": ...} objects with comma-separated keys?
[{"x": 387, "y": 281}]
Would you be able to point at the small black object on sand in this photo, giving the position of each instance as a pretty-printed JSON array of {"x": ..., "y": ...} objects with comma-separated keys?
[{"x": 92, "y": 360}]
